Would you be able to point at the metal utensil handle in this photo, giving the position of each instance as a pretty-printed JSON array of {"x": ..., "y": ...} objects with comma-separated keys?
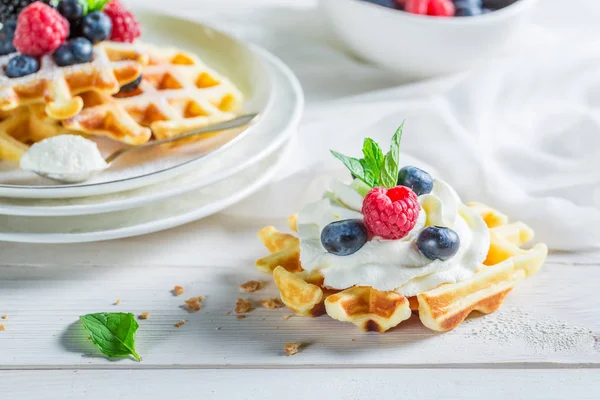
[{"x": 229, "y": 124}]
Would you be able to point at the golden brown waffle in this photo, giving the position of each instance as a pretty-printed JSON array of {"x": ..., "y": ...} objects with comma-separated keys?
[
  {"x": 14, "y": 125},
  {"x": 58, "y": 87},
  {"x": 440, "y": 309},
  {"x": 177, "y": 93}
]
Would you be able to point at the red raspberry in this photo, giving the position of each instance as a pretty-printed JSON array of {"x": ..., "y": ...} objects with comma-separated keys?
[
  {"x": 417, "y": 6},
  {"x": 391, "y": 213},
  {"x": 40, "y": 30},
  {"x": 441, "y": 8},
  {"x": 125, "y": 27}
]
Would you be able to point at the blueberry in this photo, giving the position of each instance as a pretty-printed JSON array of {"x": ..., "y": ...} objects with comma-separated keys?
[
  {"x": 418, "y": 180},
  {"x": 131, "y": 86},
  {"x": 345, "y": 237},
  {"x": 82, "y": 49},
  {"x": 7, "y": 34},
  {"x": 384, "y": 3},
  {"x": 467, "y": 11},
  {"x": 438, "y": 243},
  {"x": 96, "y": 26},
  {"x": 21, "y": 65},
  {"x": 74, "y": 51},
  {"x": 71, "y": 9}
]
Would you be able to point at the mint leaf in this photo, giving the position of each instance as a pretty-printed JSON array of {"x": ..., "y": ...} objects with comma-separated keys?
[
  {"x": 112, "y": 333},
  {"x": 371, "y": 175},
  {"x": 373, "y": 155},
  {"x": 353, "y": 164},
  {"x": 391, "y": 162},
  {"x": 96, "y": 5}
]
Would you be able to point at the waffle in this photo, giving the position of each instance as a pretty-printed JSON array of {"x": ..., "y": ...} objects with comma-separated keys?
[
  {"x": 58, "y": 87},
  {"x": 440, "y": 309},
  {"x": 13, "y": 126},
  {"x": 178, "y": 93}
]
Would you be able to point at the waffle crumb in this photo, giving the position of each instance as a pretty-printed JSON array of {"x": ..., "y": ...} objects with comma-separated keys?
[
  {"x": 116, "y": 303},
  {"x": 271, "y": 304},
  {"x": 4, "y": 316},
  {"x": 2, "y": 327},
  {"x": 292, "y": 348},
  {"x": 178, "y": 290},
  {"x": 180, "y": 323},
  {"x": 194, "y": 303},
  {"x": 144, "y": 315},
  {"x": 286, "y": 317},
  {"x": 243, "y": 306},
  {"x": 251, "y": 286},
  {"x": 354, "y": 340},
  {"x": 228, "y": 313},
  {"x": 241, "y": 317}
]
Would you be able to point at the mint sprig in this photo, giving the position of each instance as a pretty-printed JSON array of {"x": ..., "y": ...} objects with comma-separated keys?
[
  {"x": 95, "y": 5},
  {"x": 112, "y": 333},
  {"x": 375, "y": 169}
]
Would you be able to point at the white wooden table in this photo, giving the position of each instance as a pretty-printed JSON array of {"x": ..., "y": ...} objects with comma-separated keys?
[
  {"x": 543, "y": 343},
  {"x": 45, "y": 353}
]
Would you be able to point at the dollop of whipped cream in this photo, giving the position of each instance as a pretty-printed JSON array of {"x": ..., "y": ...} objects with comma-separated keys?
[
  {"x": 393, "y": 264},
  {"x": 63, "y": 155}
]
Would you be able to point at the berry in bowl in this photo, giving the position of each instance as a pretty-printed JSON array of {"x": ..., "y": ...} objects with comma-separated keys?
[{"x": 426, "y": 38}]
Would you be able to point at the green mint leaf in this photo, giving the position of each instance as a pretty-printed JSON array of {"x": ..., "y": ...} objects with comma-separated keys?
[
  {"x": 354, "y": 165},
  {"x": 391, "y": 163},
  {"x": 371, "y": 175},
  {"x": 373, "y": 155},
  {"x": 112, "y": 333},
  {"x": 96, "y": 5}
]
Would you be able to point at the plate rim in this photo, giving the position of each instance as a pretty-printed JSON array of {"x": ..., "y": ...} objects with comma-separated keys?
[
  {"x": 154, "y": 226},
  {"x": 72, "y": 191}
]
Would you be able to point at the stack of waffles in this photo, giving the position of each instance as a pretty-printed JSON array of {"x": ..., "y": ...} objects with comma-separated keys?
[
  {"x": 177, "y": 92},
  {"x": 440, "y": 309}
]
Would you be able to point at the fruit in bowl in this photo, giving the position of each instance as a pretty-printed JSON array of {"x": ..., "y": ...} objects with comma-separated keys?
[{"x": 430, "y": 37}]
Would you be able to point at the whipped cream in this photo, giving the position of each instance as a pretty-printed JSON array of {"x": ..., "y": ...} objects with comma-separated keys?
[
  {"x": 63, "y": 155},
  {"x": 393, "y": 264}
]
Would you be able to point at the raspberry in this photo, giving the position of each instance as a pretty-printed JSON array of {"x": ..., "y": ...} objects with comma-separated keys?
[
  {"x": 417, "y": 6},
  {"x": 126, "y": 28},
  {"x": 391, "y": 213},
  {"x": 441, "y": 8},
  {"x": 40, "y": 30}
]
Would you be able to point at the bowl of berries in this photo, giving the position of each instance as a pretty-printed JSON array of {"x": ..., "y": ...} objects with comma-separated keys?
[{"x": 426, "y": 38}]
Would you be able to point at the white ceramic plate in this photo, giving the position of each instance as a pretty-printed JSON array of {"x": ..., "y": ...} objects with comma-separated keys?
[
  {"x": 154, "y": 217},
  {"x": 241, "y": 156},
  {"x": 243, "y": 63}
]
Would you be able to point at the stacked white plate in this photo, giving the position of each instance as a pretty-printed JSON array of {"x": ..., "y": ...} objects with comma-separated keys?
[{"x": 152, "y": 191}]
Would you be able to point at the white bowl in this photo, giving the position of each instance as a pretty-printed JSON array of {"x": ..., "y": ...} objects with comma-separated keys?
[{"x": 418, "y": 46}]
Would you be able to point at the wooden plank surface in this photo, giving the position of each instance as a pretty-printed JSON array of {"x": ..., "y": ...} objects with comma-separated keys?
[
  {"x": 550, "y": 318},
  {"x": 300, "y": 384}
]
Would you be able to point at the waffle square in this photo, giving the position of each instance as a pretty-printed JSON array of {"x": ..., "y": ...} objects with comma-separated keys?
[
  {"x": 177, "y": 93},
  {"x": 58, "y": 87}
]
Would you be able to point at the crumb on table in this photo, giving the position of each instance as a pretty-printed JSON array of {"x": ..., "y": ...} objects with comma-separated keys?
[
  {"x": 144, "y": 315},
  {"x": 243, "y": 306},
  {"x": 286, "y": 317},
  {"x": 2, "y": 327},
  {"x": 292, "y": 348},
  {"x": 180, "y": 323},
  {"x": 4, "y": 316},
  {"x": 116, "y": 303},
  {"x": 271, "y": 303},
  {"x": 194, "y": 303},
  {"x": 178, "y": 290},
  {"x": 251, "y": 286},
  {"x": 241, "y": 317}
]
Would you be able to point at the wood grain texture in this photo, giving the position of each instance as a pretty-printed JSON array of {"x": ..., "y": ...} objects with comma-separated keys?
[
  {"x": 347, "y": 384},
  {"x": 44, "y": 303}
]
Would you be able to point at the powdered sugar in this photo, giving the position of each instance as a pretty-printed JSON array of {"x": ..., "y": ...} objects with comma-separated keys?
[{"x": 542, "y": 334}]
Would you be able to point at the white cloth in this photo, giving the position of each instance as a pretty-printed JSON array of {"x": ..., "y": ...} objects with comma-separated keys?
[{"x": 521, "y": 133}]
